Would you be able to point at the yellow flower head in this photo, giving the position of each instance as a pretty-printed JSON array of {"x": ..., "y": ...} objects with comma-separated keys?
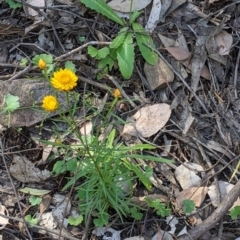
[
  {"x": 117, "y": 93},
  {"x": 50, "y": 103},
  {"x": 42, "y": 64},
  {"x": 64, "y": 80}
]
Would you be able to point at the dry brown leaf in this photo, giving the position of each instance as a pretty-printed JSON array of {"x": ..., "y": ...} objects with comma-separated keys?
[
  {"x": 34, "y": 3},
  {"x": 167, "y": 42},
  {"x": 25, "y": 171},
  {"x": 125, "y": 6},
  {"x": 188, "y": 178},
  {"x": 158, "y": 74},
  {"x": 86, "y": 128},
  {"x": 181, "y": 54},
  {"x": 154, "y": 16},
  {"x": 46, "y": 200},
  {"x": 3, "y": 220},
  {"x": 224, "y": 42},
  {"x": 196, "y": 194},
  {"x": 148, "y": 120}
]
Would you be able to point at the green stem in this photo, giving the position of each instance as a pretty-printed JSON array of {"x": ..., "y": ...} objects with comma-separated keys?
[{"x": 72, "y": 123}]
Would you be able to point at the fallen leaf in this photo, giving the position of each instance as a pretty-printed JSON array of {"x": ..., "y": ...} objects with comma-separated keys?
[
  {"x": 212, "y": 1},
  {"x": 46, "y": 200},
  {"x": 103, "y": 232},
  {"x": 154, "y": 16},
  {"x": 3, "y": 220},
  {"x": 34, "y": 3},
  {"x": 34, "y": 191},
  {"x": 224, "y": 42},
  {"x": 196, "y": 194},
  {"x": 165, "y": 236},
  {"x": 179, "y": 53},
  {"x": 25, "y": 171},
  {"x": 86, "y": 128},
  {"x": 134, "y": 238},
  {"x": 186, "y": 177},
  {"x": 158, "y": 75},
  {"x": 225, "y": 188},
  {"x": 148, "y": 120},
  {"x": 167, "y": 42},
  {"x": 125, "y": 6},
  {"x": 183, "y": 55}
]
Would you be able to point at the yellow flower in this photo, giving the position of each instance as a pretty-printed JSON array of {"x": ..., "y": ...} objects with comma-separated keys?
[
  {"x": 117, "y": 93},
  {"x": 42, "y": 64},
  {"x": 50, "y": 103},
  {"x": 64, "y": 80}
]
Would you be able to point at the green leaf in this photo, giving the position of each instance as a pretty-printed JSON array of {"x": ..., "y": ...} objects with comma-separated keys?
[
  {"x": 134, "y": 16},
  {"x": 59, "y": 167},
  {"x": 72, "y": 165},
  {"x": 125, "y": 56},
  {"x": 34, "y": 191},
  {"x": 148, "y": 171},
  {"x": 102, "y": 53},
  {"x": 92, "y": 51},
  {"x": 23, "y": 62},
  {"x": 31, "y": 220},
  {"x": 142, "y": 177},
  {"x": 47, "y": 58},
  {"x": 136, "y": 214},
  {"x": 102, "y": 220},
  {"x": 12, "y": 103},
  {"x": 161, "y": 208},
  {"x": 35, "y": 200},
  {"x": 75, "y": 221},
  {"x": 188, "y": 206},
  {"x": 82, "y": 39},
  {"x": 235, "y": 212},
  {"x": 235, "y": 171},
  {"x": 12, "y": 4},
  {"x": 70, "y": 65},
  {"x": 118, "y": 40},
  {"x": 101, "y": 7},
  {"x": 150, "y": 158},
  {"x": 106, "y": 61},
  {"x": 143, "y": 38}
]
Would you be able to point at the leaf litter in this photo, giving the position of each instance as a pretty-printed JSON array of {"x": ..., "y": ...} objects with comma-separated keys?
[{"x": 197, "y": 42}]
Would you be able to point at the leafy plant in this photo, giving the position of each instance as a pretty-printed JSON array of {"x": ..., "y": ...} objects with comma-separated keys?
[
  {"x": 161, "y": 208},
  {"x": 34, "y": 200},
  {"x": 188, "y": 206},
  {"x": 235, "y": 212},
  {"x": 122, "y": 47},
  {"x": 101, "y": 170},
  {"x": 107, "y": 170},
  {"x": 75, "y": 221},
  {"x": 13, "y": 4},
  {"x": 12, "y": 104},
  {"x": 30, "y": 219}
]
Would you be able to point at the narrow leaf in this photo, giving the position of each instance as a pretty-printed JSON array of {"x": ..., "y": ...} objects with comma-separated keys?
[
  {"x": 144, "y": 179},
  {"x": 134, "y": 16},
  {"x": 125, "y": 56},
  {"x": 119, "y": 39},
  {"x": 101, "y": 7},
  {"x": 143, "y": 38}
]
